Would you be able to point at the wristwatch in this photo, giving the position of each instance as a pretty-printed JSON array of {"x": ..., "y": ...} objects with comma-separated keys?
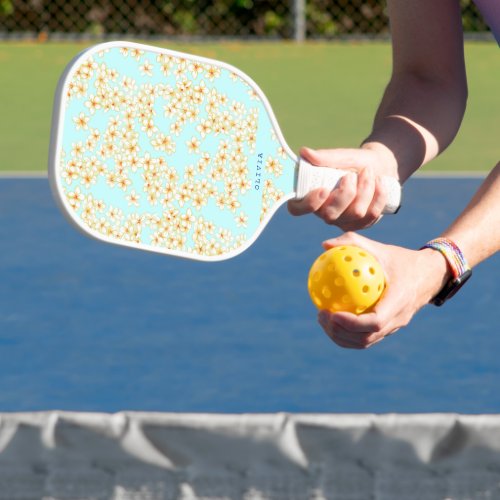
[{"x": 459, "y": 267}]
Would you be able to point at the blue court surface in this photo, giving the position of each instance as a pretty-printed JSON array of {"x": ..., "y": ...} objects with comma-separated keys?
[{"x": 91, "y": 327}]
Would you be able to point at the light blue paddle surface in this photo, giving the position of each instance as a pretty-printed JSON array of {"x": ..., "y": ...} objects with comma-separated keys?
[{"x": 166, "y": 152}]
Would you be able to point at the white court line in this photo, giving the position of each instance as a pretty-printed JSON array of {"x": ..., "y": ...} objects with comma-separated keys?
[
  {"x": 23, "y": 175},
  {"x": 453, "y": 174}
]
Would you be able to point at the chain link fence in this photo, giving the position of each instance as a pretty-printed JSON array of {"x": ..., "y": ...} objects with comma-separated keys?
[{"x": 285, "y": 19}]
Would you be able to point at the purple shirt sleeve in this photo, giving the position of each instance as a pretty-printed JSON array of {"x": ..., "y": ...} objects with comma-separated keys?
[{"x": 490, "y": 9}]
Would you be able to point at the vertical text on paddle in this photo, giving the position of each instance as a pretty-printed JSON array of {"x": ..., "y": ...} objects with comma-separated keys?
[{"x": 258, "y": 171}]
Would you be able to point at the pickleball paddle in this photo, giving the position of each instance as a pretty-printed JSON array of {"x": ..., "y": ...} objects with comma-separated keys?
[{"x": 173, "y": 153}]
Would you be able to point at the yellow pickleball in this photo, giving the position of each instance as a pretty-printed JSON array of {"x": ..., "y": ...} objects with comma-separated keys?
[{"x": 346, "y": 278}]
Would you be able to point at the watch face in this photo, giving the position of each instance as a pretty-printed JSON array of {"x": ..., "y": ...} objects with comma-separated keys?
[{"x": 451, "y": 288}]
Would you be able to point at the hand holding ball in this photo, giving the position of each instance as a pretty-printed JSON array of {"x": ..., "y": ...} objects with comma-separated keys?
[{"x": 346, "y": 278}]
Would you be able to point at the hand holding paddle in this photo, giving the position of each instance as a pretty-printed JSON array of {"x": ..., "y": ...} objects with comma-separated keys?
[{"x": 359, "y": 200}]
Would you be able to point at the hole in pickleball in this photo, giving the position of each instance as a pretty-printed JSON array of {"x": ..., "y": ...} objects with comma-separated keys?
[
  {"x": 339, "y": 281},
  {"x": 348, "y": 258},
  {"x": 317, "y": 300},
  {"x": 379, "y": 287},
  {"x": 363, "y": 254},
  {"x": 327, "y": 293},
  {"x": 317, "y": 276},
  {"x": 366, "y": 289},
  {"x": 356, "y": 273},
  {"x": 372, "y": 270}
]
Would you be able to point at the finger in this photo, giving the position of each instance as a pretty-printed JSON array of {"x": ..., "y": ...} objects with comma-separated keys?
[
  {"x": 353, "y": 340},
  {"x": 354, "y": 159},
  {"x": 356, "y": 225},
  {"x": 310, "y": 203},
  {"x": 379, "y": 200},
  {"x": 342, "y": 321},
  {"x": 365, "y": 193},
  {"x": 339, "y": 199},
  {"x": 335, "y": 328},
  {"x": 373, "y": 325},
  {"x": 355, "y": 215},
  {"x": 376, "y": 209},
  {"x": 348, "y": 238},
  {"x": 341, "y": 340},
  {"x": 338, "y": 334},
  {"x": 361, "y": 340},
  {"x": 345, "y": 344},
  {"x": 362, "y": 324},
  {"x": 352, "y": 238}
]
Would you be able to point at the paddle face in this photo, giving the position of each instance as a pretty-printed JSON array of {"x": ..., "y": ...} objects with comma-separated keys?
[{"x": 167, "y": 152}]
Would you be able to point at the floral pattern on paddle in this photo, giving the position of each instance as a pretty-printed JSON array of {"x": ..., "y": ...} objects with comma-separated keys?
[{"x": 168, "y": 152}]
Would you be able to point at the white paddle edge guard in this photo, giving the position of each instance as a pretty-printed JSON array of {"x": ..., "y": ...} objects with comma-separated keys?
[
  {"x": 56, "y": 139},
  {"x": 311, "y": 177}
]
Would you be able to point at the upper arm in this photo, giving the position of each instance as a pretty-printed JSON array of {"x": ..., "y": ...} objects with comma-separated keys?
[{"x": 427, "y": 40}]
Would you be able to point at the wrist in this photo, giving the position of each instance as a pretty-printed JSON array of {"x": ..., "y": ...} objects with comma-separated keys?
[
  {"x": 388, "y": 165},
  {"x": 437, "y": 273},
  {"x": 457, "y": 265}
]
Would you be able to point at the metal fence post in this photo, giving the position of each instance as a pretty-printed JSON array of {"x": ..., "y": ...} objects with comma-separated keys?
[{"x": 299, "y": 20}]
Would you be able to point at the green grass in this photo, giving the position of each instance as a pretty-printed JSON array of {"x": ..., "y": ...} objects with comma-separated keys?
[{"x": 324, "y": 95}]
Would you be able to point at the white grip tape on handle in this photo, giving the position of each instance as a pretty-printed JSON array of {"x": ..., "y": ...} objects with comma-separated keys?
[{"x": 310, "y": 177}]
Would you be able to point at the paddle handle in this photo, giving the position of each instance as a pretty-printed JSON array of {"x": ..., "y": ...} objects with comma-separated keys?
[{"x": 311, "y": 177}]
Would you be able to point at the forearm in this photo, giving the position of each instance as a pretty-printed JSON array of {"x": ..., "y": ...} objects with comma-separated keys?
[
  {"x": 416, "y": 121},
  {"x": 424, "y": 102},
  {"x": 477, "y": 230},
  {"x": 414, "y": 278}
]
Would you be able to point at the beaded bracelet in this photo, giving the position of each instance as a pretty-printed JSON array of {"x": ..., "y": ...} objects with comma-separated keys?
[{"x": 459, "y": 267}]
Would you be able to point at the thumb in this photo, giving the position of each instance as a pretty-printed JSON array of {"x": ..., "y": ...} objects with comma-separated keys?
[{"x": 348, "y": 238}]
